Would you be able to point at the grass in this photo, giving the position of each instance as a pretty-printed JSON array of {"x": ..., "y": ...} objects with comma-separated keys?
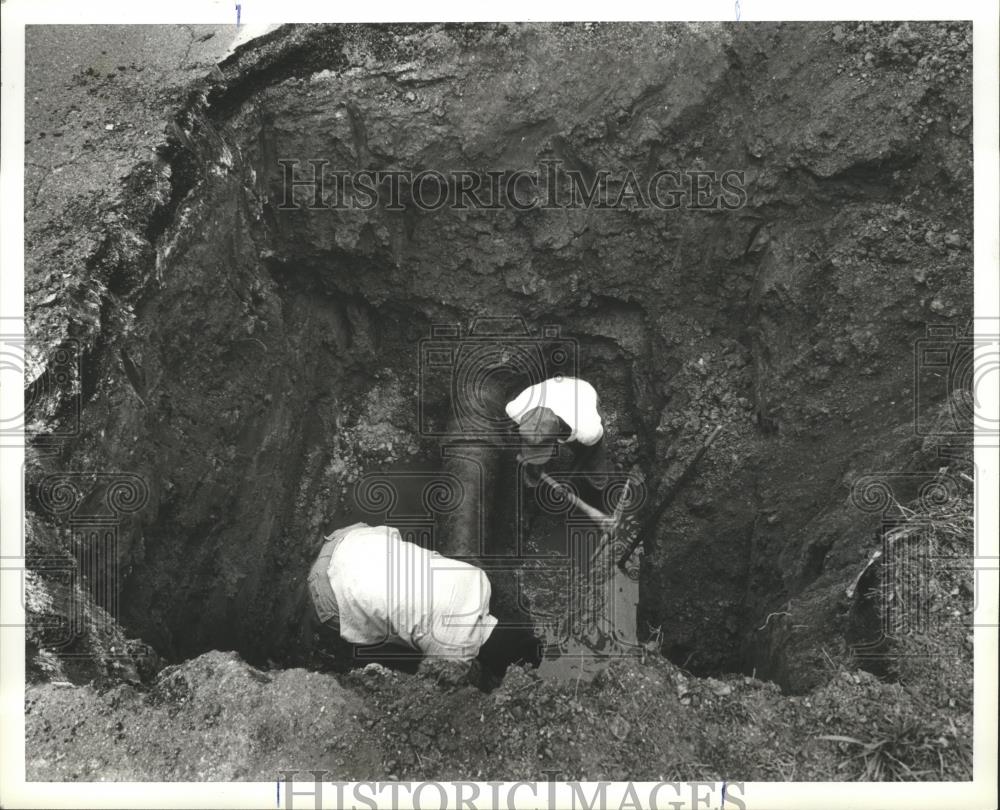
[
  {"x": 925, "y": 602},
  {"x": 907, "y": 748}
]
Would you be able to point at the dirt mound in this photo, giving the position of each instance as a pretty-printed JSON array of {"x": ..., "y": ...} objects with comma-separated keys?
[{"x": 217, "y": 718}]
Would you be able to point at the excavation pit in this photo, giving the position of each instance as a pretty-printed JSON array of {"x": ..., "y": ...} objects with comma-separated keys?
[{"x": 259, "y": 351}]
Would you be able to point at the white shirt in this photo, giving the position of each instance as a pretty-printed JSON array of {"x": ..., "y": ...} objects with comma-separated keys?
[
  {"x": 389, "y": 590},
  {"x": 571, "y": 399}
]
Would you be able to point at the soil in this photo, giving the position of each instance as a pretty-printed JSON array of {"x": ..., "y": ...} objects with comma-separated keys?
[
  {"x": 241, "y": 366},
  {"x": 217, "y": 718}
]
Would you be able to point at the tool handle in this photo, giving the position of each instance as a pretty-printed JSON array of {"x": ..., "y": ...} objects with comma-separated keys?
[{"x": 577, "y": 501}]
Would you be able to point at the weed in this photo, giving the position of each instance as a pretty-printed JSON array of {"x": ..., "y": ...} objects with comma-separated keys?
[{"x": 907, "y": 748}]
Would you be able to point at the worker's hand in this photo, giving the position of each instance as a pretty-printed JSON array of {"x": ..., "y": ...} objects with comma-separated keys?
[
  {"x": 532, "y": 475},
  {"x": 445, "y": 671},
  {"x": 509, "y": 645},
  {"x": 532, "y": 472}
]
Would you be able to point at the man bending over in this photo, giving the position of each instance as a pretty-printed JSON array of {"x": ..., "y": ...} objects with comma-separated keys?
[{"x": 370, "y": 594}]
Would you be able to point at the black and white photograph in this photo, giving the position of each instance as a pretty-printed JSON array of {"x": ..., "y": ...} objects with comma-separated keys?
[{"x": 500, "y": 413}]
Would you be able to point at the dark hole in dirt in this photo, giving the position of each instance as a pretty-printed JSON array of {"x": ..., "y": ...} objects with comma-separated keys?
[{"x": 871, "y": 648}]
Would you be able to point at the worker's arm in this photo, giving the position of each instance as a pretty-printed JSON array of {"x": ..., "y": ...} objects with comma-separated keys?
[
  {"x": 508, "y": 645},
  {"x": 532, "y": 472}
]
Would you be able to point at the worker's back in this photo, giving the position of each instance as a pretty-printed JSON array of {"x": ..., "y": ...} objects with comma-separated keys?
[{"x": 392, "y": 591}]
